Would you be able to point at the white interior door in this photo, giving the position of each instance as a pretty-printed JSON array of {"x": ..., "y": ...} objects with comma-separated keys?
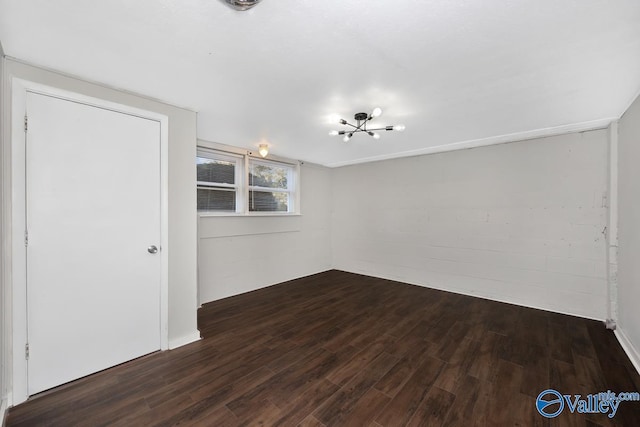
[{"x": 92, "y": 212}]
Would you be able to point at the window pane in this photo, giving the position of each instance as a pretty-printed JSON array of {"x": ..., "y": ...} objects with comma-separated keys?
[
  {"x": 269, "y": 176},
  {"x": 220, "y": 171},
  {"x": 216, "y": 200},
  {"x": 263, "y": 201}
]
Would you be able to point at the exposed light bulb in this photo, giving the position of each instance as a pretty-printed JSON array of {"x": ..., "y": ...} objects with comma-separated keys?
[
  {"x": 347, "y": 137},
  {"x": 376, "y": 135},
  {"x": 334, "y": 133},
  {"x": 376, "y": 112},
  {"x": 263, "y": 149},
  {"x": 333, "y": 119},
  {"x": 399, "y": 128}
]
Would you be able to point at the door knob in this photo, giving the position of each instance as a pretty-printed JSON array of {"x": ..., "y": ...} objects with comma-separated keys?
[{"x": 152, "y": 249}]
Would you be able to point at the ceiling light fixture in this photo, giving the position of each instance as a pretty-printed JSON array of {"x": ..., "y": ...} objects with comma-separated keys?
[
  {"x": 242, "y": 4},
  {"x": 361, "y": 125},
  {"x": 263, "y": 149}
]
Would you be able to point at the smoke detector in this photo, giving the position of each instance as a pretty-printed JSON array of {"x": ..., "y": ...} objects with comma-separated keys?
[{"x": 242, "y": 4}]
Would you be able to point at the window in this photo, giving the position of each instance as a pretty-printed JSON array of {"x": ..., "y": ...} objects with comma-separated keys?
[
  {"x": 218, "y": 181},
  {"x": 270, "y": 186},
  {"x": 230, "y": 183}
]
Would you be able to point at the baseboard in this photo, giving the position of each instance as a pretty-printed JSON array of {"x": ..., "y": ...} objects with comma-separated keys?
[
  {"x": 477, "y": 295},
  {"x": 187, "y": 339},
  {"x": 3, "y": 412},
  {"x": 262, "y": 287},
  {"x": 514, "y": 302},
  {"x": 628, "y": 347}
]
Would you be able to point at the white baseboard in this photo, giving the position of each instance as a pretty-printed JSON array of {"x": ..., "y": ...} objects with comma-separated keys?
[
  {"x": 187, "y": 339},
  {"x": 628, "y": 347},
  {"x": 474, "y": 294},
  {"x": 3, "y": 412}
]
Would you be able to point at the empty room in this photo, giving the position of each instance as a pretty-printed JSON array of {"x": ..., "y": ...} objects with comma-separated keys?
[{"x": 319, "y": 213}]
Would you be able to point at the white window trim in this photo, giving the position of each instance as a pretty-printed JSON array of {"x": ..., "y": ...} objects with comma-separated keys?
[
  {"x": 242, "y": 205},
  {"x": 239, "y": 177},
  {"x": 291, "y": 189}
]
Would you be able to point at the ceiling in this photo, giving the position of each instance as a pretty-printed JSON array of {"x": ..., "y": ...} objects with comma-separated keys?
[{"x": 452, "y": 71}]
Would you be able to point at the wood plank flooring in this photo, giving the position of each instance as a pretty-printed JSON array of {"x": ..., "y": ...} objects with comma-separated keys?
[{"x": 339, "y": 349}]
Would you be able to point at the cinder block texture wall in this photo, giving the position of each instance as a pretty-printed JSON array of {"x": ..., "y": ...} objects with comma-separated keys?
[{"x": 520, "y": 222}]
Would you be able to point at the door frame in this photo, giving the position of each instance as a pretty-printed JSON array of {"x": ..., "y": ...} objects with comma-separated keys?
[{"x": 19, "y": 91}]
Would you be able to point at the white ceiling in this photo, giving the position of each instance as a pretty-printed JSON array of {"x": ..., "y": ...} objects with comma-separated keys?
[{"x": 450, "y": 70}]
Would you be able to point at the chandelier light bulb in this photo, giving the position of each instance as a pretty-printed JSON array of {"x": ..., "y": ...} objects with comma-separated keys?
[
  {"x": 333, "y": 119},
  {"x": 347, "y": 137},
  {"x": 399, "y": 128},
  {"x": 334, "y": 133},
  {"x": 376, "y": 112},
  {"x": 376, "y": 135}
]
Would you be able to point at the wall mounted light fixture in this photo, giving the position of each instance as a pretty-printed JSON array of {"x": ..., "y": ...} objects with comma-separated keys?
[
  {"x": 361, "y": 125},
  {"x": 242, "y": 4},
  {"x": 263, "y": 149}
]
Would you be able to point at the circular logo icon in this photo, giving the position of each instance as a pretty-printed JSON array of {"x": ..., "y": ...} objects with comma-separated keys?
[{"x": 546, "y": 401}]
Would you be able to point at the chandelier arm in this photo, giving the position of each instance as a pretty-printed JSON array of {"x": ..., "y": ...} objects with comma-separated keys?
[
  {"x": 349, "y": 124},
  {"x": 355, "y": 128},
  {"x": 361, "y": 129},
  {"x": 383, "y": 128}
]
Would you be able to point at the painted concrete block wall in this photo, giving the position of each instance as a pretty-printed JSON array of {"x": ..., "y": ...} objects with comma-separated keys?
[
  {"x": 629, "y": 231},
  {"x": 519, "y": 222},
  {"x": 242, "y": 254}
]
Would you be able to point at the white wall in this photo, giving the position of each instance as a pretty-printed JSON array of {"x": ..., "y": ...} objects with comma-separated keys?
[
  {"x": 241, "y": 254},
  {"x": 629, "y": 232},
  {"x": 519, "y": 222},
  {"x": 4, "y": 312},
  {"x": 182, "y": 222}
]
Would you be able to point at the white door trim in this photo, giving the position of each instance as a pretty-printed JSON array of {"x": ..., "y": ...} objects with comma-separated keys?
[{"x": 18, "y": 259}]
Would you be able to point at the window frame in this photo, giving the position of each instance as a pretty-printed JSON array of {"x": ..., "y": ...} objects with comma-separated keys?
[
  {"x": 290, "y": 190},
  {"x": 244, "y": 158},
  {"x": 208, "y": 153}
]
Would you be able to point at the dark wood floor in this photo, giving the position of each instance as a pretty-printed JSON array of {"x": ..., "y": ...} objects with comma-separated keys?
[{"x": 342, "y": 349}]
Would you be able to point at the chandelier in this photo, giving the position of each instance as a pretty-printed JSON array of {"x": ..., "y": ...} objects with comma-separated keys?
[
  {"x": 361, "y": 125},
  {"x": 242, "y": 4}
]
